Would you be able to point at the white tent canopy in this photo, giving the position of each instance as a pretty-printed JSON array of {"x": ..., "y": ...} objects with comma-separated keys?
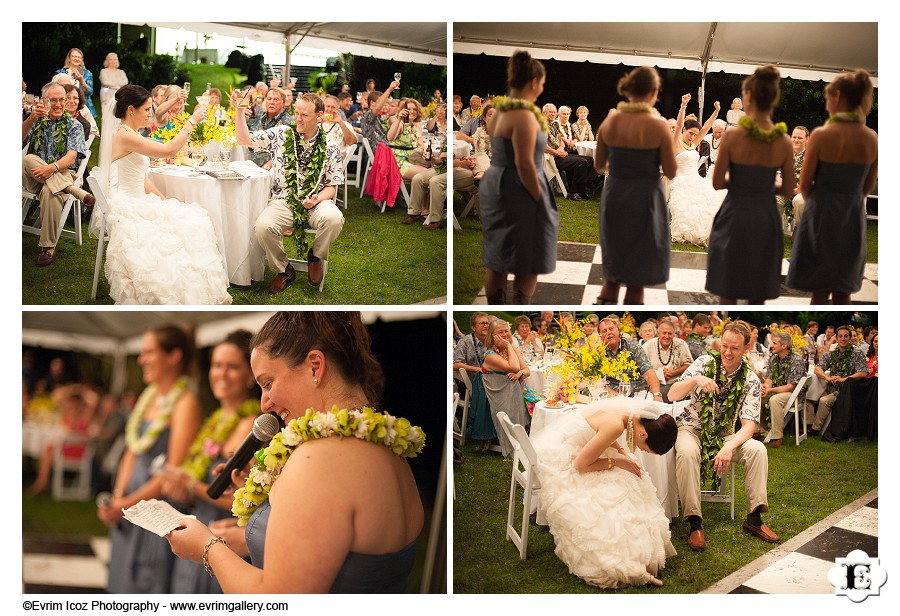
[
  {"x": 810, "y": 51},
  {"x": 424, "y": 43}
]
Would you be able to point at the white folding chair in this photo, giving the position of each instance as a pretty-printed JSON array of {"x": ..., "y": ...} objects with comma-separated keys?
[
  {"x": 722, "y": 495},
  {"x": 79, "y": 488},
  {"x": 99, "y": 184},
  {"x": 355, "y": 178},
  {"x": 71, "y": 204},
  {"x": 553, "y": 174},
  {"x": 370, "y": 158},
  {"x": 524, "y": 475},
  {"x": 464, "y": 405},
  {"x": 795, "y": 403},
  {"x": 302, "y": 265}
]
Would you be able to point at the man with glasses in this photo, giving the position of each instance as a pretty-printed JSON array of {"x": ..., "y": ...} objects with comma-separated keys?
[
  {"x": 616, "y": 347},
  {"x": 55, "y": 143}
]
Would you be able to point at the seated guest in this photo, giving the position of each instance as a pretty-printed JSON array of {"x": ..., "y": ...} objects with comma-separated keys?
[
  {"x": 714, "y": 139},
  {"x": 855, "y": 414},
  {"x": 616, "y": 345},
  {"x": 579, "y": 169},
  {"x": 345, "y": 102},
  {"x": 405, "y": 137},
  {"x": 55, "y": 147},
  {"x": 505, "y": 371},
  {"x": 647, "y": 331},
  {"x": 337, "y": 130},
  {"x": 785, "y": 370},
  {"x": 370, "y": 123},
  {"x": 869, "y": 332},
  {"x": 274, "y": 113},
  {"x": 668, "y": 354},
  {"x": 468, "y": 355},
  {"x": 429, "y": 188},
  {"x": 172, "y": 105},
  {"x": 582, "y": 127},
  {"x": 457, "y": 113},
  {"x": 469, "y": 112},
  {"x": 698, "y": 340},
  {"x": 792, "y": 209},
  {"x": 842, "y": 363},
  {"x": 528, "y": 337},
  {"x": 482, "y": 142},
  {"x": 75, "y": 105}
]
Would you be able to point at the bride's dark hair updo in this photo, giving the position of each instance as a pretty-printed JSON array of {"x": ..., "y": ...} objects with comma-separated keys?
[
  {"x": 640, "y": 82},
  {"x": 691, "y": 122},
  {"x": 763, "y": 87},
  {"x": 856, "y": 88},
  {"x": 661, "y": 433},
  {"x": 521, "y": 69},
  {"x": 129, "y": 95}
]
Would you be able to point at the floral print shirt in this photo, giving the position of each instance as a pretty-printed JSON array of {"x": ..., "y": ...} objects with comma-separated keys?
[
  {"x": 74, "y": 141},
  {"x": 272, "y": 141},
  {"x": 792, "y": 369},
  {"x": 638, "y": 356},
  {"x": 260, "y": 121},
  {"x": 748, "y": 407}
]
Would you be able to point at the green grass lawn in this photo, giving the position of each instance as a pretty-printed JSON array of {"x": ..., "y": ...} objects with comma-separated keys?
[
  {"x": 577, "y": 223},
  {"x": 806, "y": 484},
  {"x": 376, "y": 260}
]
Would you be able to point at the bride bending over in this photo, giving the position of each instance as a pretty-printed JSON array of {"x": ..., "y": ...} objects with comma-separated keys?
[
  {"x": 161, "y": 251},
  {"x": 692, "y": 200},
  {"x": 603, "y": 509}
]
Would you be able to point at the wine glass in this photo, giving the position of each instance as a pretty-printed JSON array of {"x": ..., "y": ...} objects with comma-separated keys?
[
  {"x": 187, "y": 87},
  {"x": 625, "y": 389},
  {"x": 396, "y": 76},
  {"x": 225, "y": 155}
]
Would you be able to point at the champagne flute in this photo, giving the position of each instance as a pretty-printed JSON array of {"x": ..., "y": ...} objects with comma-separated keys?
[{"x": 187, "y": 87}]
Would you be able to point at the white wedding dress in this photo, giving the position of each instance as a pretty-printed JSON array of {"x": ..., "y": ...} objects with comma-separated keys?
[
  {"x": 160, "y": 252},
  {"x": 609, "y": 526},
  {"x": 693, "y": 202}
]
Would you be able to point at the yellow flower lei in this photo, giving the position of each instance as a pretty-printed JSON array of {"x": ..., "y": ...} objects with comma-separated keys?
[
  {"x": 367, "y": 424},
  {"x": 141, "y": 443},
  {"x": 506, "y": 103},
  {"x": 766, "y": 136},
  {"x": 212, "y": 436}
]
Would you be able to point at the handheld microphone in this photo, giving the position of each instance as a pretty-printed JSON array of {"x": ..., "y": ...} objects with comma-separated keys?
[{"x": 265, "y": 427}]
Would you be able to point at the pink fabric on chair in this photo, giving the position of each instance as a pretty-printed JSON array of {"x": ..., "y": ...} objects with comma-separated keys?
[{"x": 384, "y": 177}]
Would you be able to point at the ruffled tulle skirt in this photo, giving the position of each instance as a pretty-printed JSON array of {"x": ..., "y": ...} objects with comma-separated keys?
[{"x": 693, "y": 204}]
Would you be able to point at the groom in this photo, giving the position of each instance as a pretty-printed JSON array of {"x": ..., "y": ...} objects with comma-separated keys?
[
  {"x": 278, "y": 217},
  {"x": 721, "y": 389}
]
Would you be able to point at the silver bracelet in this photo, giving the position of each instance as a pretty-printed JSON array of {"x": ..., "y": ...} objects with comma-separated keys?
[{"x": 206, "y": 554}]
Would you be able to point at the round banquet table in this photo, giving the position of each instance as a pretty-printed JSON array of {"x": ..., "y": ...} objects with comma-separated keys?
[
  {"x": 232, "y": 205},
  {"x": 586, "y": 148},
  {"x": 536, "y": 379},
  {"x": 660, "y": 468}
]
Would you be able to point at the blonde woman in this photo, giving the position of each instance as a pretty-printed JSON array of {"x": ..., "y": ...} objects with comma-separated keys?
[{"x": 582, "y": 127}]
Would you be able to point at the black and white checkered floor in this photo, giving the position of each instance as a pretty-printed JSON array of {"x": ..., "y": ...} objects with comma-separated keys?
[
  {"x": 579, "y": 276},
  {"x": 72, "y": 565}
]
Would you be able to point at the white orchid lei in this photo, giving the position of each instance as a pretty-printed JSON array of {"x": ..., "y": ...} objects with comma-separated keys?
[
  {"x": 141, "y": 443},
  {"x": 367, "y": 424}
]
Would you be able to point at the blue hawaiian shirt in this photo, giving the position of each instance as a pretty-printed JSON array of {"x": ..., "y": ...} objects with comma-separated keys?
[{"x": 74, "y": 141}]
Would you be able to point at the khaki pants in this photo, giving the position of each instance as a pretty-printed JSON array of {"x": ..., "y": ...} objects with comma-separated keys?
[
  {"x": 752, "y": 454},
  {"x": 269, "y": 228},
  {"x": 799, "y": 205},
  {"x": 826, "y": 402},
  {"x": 777, "y": 403},
  {"x": 430, "y": 185},
  {"x": 51, "y": 195}
]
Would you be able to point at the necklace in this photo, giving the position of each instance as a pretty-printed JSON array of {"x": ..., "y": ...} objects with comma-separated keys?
[
  {"x": 165, "y": 404},
  {"x": 630, "y": 436},
  {"x": 659, "y": 352},
  {"x": 367, "y": 424},
  {"x": 766, "y": 136},
  {"x": 59, "y": 134},
  {"x": 212, "y": 436},
  {"x": 506, "y": 103},
  {"x": 845, "y": 116},
  {"x": 686, "y": 146},
  {"x": 627, "y": 107},
  {"x": 713, "y": 144},
  {"x": 300, "y": 190},
  {"x": 718, "y": 413}
]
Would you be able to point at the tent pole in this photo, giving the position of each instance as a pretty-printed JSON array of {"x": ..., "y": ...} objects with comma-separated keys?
[{"x": 704, "y": 63}]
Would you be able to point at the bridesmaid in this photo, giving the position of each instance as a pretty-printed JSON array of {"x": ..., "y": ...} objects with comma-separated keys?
[
  {"x": 634, "y": 221},
  {"x": 751, "y": 153},
  {"x": 839, "y": 169},
  {"x": 518, "y": 210}
]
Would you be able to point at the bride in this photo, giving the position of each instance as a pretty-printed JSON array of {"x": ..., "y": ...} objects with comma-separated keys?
[
  {"x": 603, "y": 509},
  {"x": 693, "y": 202},
  {"x": 161, "y": 251}
]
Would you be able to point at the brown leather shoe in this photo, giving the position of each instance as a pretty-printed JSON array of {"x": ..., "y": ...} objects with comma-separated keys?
[
  {"x": 776, "y": 442},
  {"x": 89, "y": 200},
  {"x": 411, "y": 219},
  {"x": 47, "y": 256},
  {"x": 282, "y": 280},
  {"x": 763, "y": 532},
  {"x": 697, "y": 540},
  {"x": 314, "y": 270},
  {"x": 434, "y": 226}
]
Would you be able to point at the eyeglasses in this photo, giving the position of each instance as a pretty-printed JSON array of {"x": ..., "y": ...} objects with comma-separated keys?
[{"x": 56, "y": 100}]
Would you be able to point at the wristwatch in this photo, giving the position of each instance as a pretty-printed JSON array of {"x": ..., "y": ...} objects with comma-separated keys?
[{"x": 657, "y": 393}]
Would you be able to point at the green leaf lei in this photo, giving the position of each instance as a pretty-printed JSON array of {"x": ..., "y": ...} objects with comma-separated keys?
[
  {"x": 696, "y": 337},
  {"x": 716, "y": 426},
  {"x": 845, "y": 116},
  {"x": 778, "y": 366},
  {"x": 215, "y": 431},
  {"x": 506, "y": 103},
  {"x": 839, "y": 364},
  {"x": 367, "y": 424},
  {"x": 766, "y": 136},
  {"x": 59, "y": 135},
  {"x": 298, "y": 194}
]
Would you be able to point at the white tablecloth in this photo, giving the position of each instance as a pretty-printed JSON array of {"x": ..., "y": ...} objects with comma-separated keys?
[
  {"x": 586, "y": 148},
  {"x": 660, "y": 468},
  {"x": 536, "y": 379},
  {"x": 816, "y": 388},
  {"x": 232, "y": 205},
  {"x": 461, "y": 148}
]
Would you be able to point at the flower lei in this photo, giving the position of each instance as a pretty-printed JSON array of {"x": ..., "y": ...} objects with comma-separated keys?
[
  {"x": 300, "y": 191},
  {"x": 137, "y": 442},
  {"x": 715, "y": 426},
  {"x": 845, "y": 116},
  {"x": 506, "y": 103},
  {"x": 766, "y": 136},
  {"x": 627, "y": 107},
  {"x": 215, "y": 431},
  {"x": 367, "y": 424},
  {"x": 59, "y": 134}
]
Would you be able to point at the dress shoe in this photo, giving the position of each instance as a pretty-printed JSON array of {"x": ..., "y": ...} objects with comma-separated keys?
[
  {"x": 314, "y": 270},
  {"x": 577, "y": 197},
  {"x": 762, "y": 531},
  {"x": 282, "y": 280},
  {"x": 89, "y": 200},
  {"x": 47, "y": 256},
  {"x": 812, "y": 432},
  {"x": 697, "y": 540},
  {"x": 411, "y": 219},
  {"x": 434, "y": 226},
  {"x": 776, "y": 442}
]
